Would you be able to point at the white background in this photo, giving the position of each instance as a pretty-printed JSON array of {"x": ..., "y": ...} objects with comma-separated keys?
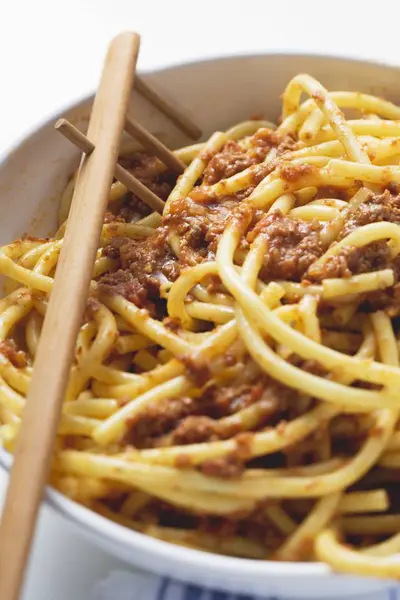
[{"x": 51, "y": 53}]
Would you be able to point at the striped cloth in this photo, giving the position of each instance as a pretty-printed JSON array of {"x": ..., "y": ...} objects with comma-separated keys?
[{"x": 121, "y": 585}]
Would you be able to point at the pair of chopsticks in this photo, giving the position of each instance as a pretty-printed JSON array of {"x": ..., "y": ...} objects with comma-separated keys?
[
  {"x": 148, "y": 141},
  {"x": 67, "y": 302},
  {"x": 132, "y": 183}
]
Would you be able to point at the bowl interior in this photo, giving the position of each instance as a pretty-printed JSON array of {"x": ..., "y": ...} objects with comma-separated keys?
[{"x": 216, "y": 94}]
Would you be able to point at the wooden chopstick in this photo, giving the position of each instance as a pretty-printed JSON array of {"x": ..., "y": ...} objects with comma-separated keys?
[
  {"x": 132, "y": 183},
  {"x": 64, "y": 315},
  {"x": 150, "y": 142},
  {"x": 174, "y": 114}
]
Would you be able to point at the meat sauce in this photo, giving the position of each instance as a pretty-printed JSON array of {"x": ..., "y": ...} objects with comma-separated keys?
[
  {"x": 198, "y": 222},
  {"x": 372, "y": 257}
]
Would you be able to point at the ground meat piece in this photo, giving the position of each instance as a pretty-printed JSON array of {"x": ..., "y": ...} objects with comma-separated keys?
[
  {"x": 372, "y": 257},
  {"x": 194, "y": 420},
  {"x": 158, "y": 419},
  {"x": 387, "y": 300},
  {"x": 292, "y": 173},
  {"x": 183, "y": 461},
  {"x": 244, "y": 444},
  {"x": 134, "y": 208},
  {"x": 193, "y": 430},
  {"x": 293, "y": 245},
  {"x": 250, "y": 524},
  {"x": 124, "y": 284},
  {"x": 109, "y": 217},
  {"x": 199, "y": 227},
  {"x": 126, "y": 214},
  {"x": 280, "y": 145},
  {"x": 230, "y": 160},
  {"x": 329, "y": 192},
  {"x": 228, "y": 400},
  {"x": 226, "y": 467},
  {"x": 378, "y": 207},
  {"x": 353, "y": 261},
  {"x": 268, "y": 138},
  {"x": 218, "y": 526},
  {"x": 150, "y": 256},
  {"x": 9, "y": 349},
  {"x": 146, "y": 168},
  {"x": 142, "y": 165},
  {"x": 350, "y": 426},
  {"x": 198, "y": 369},
  {"x": 311, "y": 366},
  {"x": 172, "y": 323},
  {"x": 335, "y": 266},
  {"x": 269, "y": 394},
  {"x": 161, "y": 186},
  {"x": 214, "y": 285},
  {"x": 263, "y": 170},
  {"x": 143, "y": 263},
  {"x": 112, "y": 250},
  {"x": 369, "y": 258},
  {"x": 233, "y": 159}
]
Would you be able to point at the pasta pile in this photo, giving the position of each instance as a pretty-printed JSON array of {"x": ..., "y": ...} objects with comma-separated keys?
[{"x": 236, "y": 379}]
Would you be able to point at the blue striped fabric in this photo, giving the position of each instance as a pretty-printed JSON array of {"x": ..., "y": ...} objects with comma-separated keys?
[
  {"x": 142, "y": 586},
  {"x": 170, "y": 590},
  {"x": 163, "y": 589},
  {"x": 193, "y": 592}
]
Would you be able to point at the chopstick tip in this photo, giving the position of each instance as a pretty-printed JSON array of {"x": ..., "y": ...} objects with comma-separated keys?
[
  {"x": 127, "y": 36},
  {"x": 60, "y": 123}
]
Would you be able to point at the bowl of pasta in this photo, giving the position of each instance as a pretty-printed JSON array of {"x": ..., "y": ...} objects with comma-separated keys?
[{"x": 232, "y": 413}]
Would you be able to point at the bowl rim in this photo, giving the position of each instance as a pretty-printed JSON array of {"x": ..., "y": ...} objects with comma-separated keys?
[
  {"x": 197, "y": 561},
  {"x": 79, "y": 99}
]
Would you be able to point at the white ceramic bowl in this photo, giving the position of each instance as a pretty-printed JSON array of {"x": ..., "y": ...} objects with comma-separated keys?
[{"x": 217, "y": 94}]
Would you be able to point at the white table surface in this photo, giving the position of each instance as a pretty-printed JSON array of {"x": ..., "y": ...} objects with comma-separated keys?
[{"x": 51, "y": 53}]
